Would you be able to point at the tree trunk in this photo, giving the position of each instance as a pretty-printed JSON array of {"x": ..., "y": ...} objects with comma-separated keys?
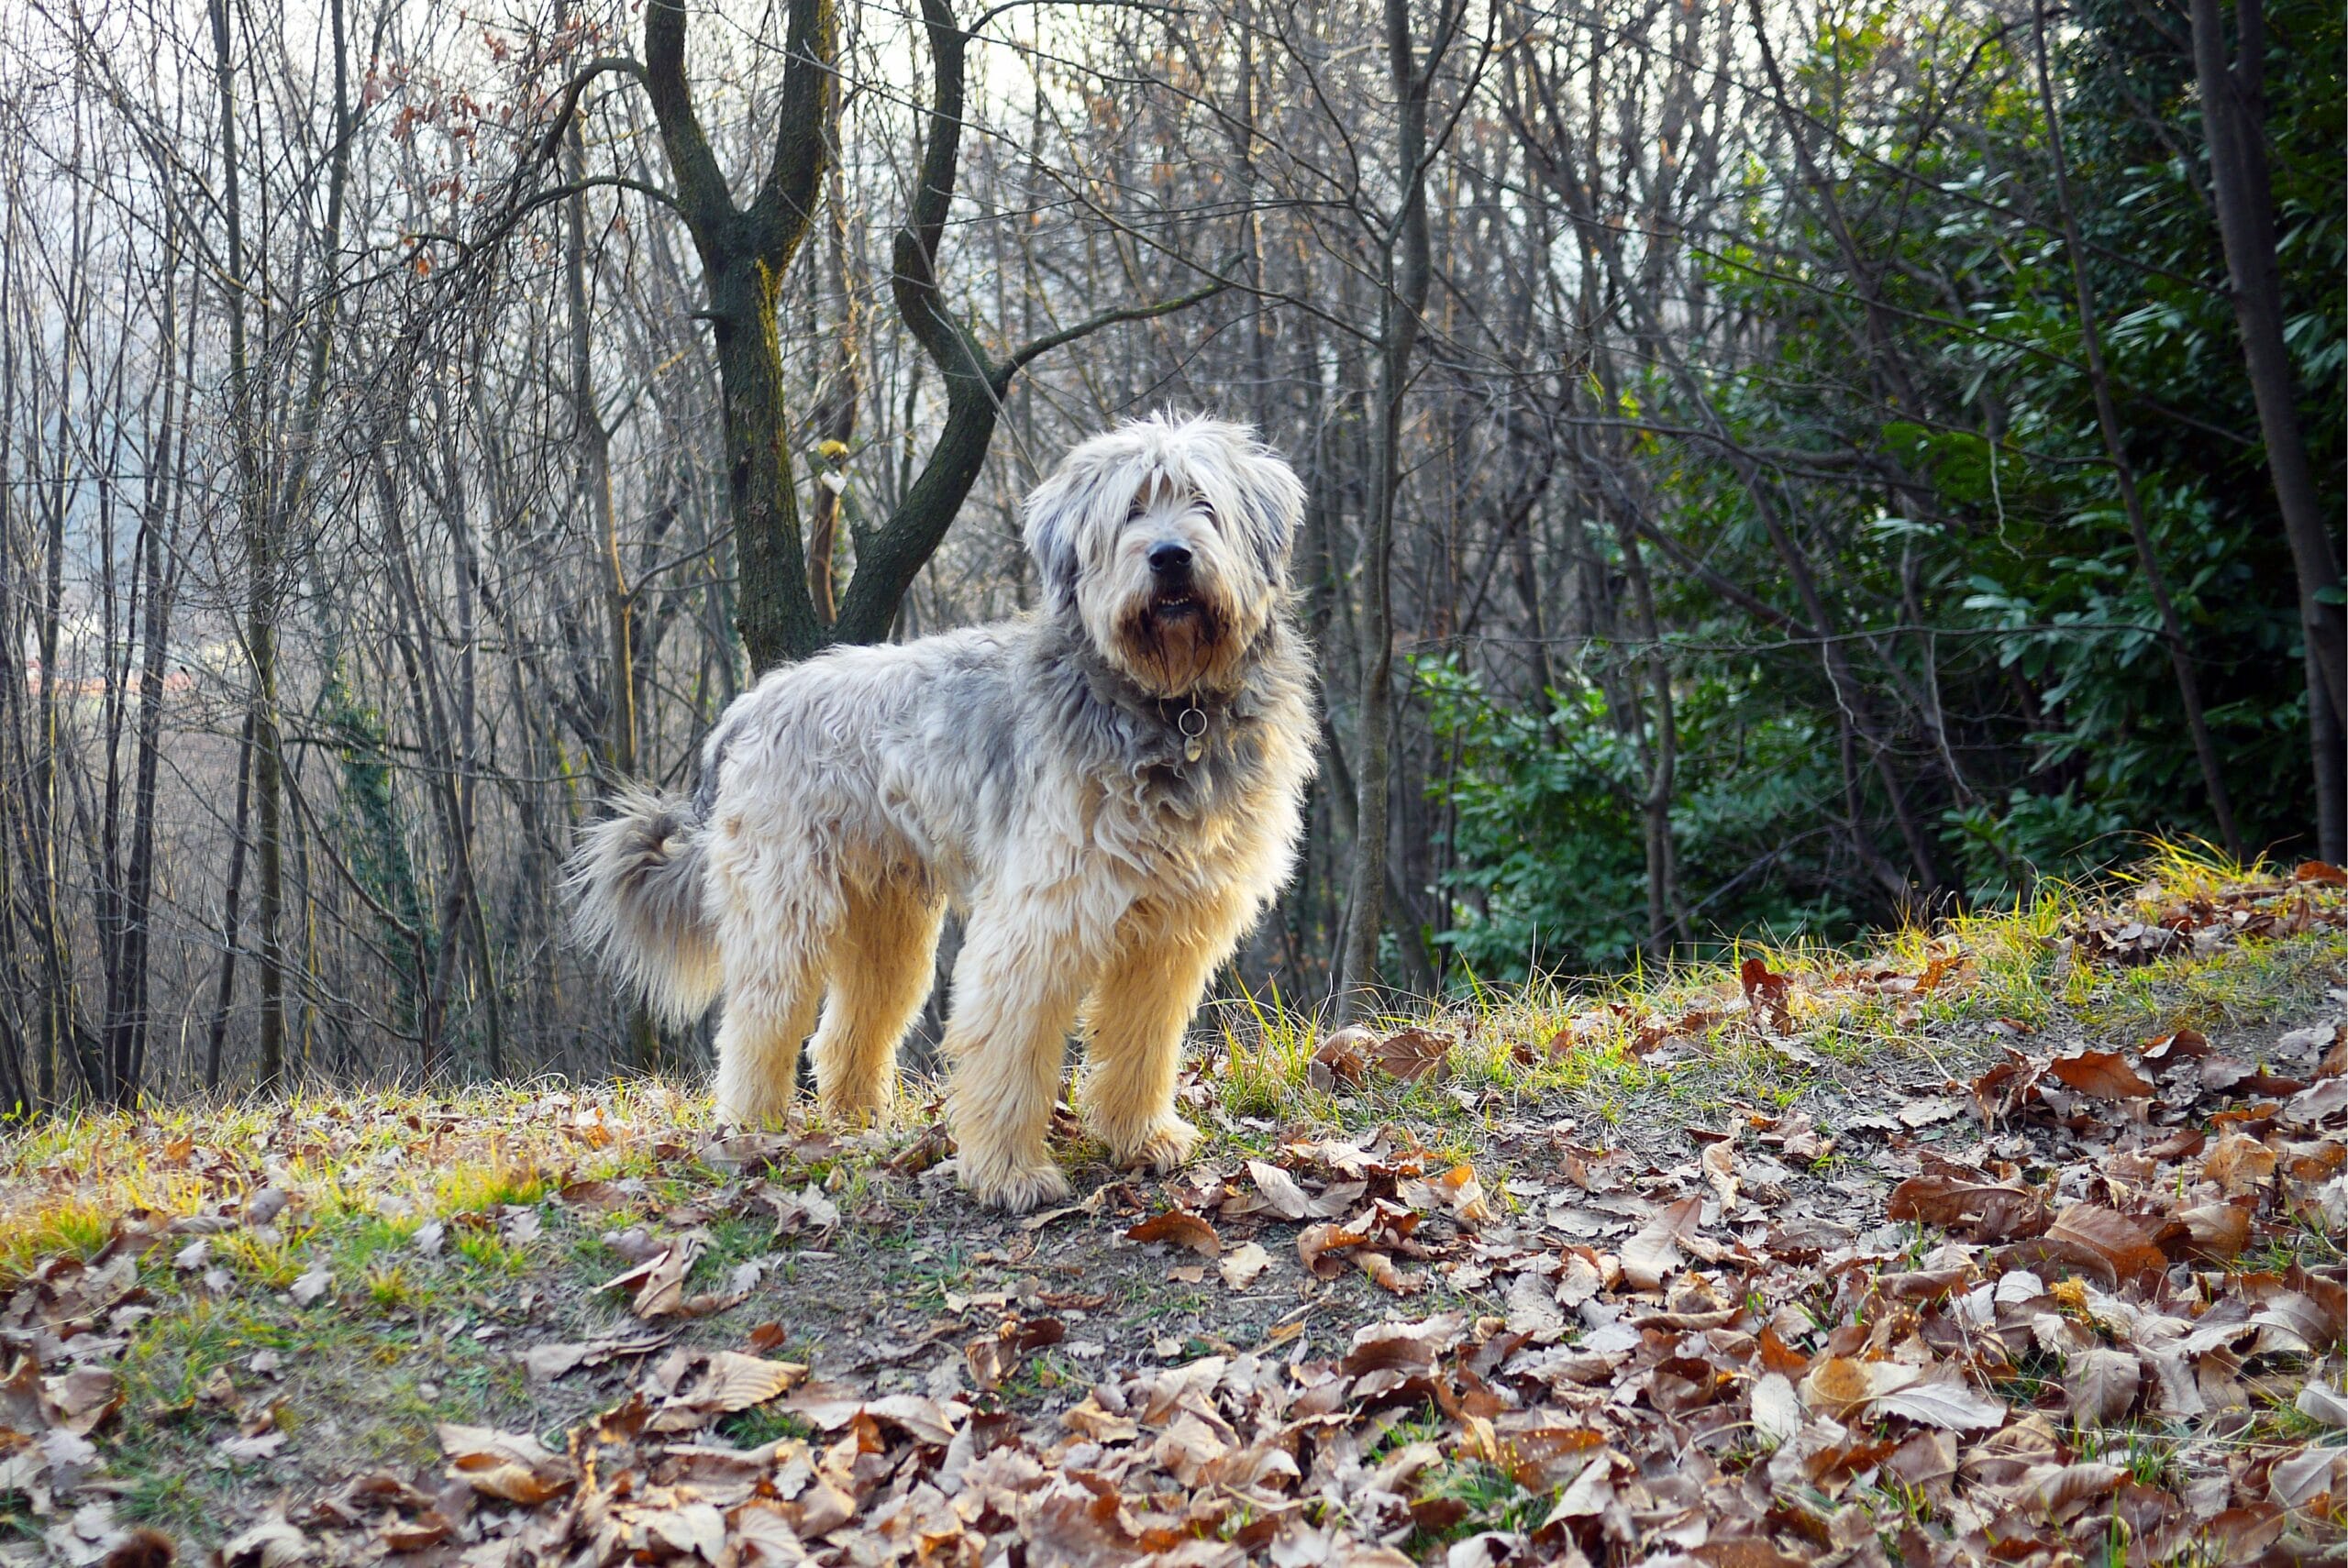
[
  {"x": 260, "y": 587},
  {"x": 619, "y": 600},
  {"x": 2233, "y": 116},
  {"x": 1408, "y": 273},
  {"x": 2124, "y": 472}
]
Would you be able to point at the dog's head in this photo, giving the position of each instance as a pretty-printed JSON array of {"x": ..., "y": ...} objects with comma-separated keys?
[{"x": 1169, "y": 539}]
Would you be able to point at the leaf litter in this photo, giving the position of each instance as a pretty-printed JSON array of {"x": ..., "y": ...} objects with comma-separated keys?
[{"x": 2104, "y": 1302}]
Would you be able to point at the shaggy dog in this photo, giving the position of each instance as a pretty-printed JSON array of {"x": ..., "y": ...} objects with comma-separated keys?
[{"x": 1109, "y": 789}]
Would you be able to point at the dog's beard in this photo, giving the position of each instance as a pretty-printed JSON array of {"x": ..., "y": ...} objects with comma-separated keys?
[{"x": 1179, "y": 641}]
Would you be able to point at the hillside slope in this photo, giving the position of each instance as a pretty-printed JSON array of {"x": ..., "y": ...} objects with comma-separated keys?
[{"x": 2018, "y": 1240}]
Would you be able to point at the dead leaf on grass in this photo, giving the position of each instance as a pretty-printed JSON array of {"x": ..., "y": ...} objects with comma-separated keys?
[
  {"x": 1766, "y": 994},
  {"x": 1411, "y": 1055}
]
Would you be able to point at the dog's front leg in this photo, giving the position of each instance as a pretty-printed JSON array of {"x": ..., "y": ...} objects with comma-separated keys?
[
  {"x": 1025, "y": 964},
  {"x": 1138, "y": 1018}
]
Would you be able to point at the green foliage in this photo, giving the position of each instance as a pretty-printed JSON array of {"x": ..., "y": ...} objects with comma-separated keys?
[
  {"x": 1549, "y": 822},
  {"x": 1937, "y": 468}
]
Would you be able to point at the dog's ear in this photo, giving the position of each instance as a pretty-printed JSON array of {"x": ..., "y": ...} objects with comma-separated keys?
[
  {"x": 1271, "y": 503},
  {"x": 1055, "y": 511}
]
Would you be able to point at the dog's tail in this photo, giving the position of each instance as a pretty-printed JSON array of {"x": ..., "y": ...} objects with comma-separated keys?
[{"x": 637, "y": 881}]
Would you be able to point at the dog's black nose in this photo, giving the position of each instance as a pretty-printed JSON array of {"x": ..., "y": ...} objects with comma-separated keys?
[{"x": 1169, "y": 560}]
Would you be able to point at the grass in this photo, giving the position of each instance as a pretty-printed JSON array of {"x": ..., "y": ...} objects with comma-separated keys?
[{"x": 2000, "y": 975}]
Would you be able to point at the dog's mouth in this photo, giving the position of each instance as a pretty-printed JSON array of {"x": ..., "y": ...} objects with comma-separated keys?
[{"x": 1180, "y": 608}]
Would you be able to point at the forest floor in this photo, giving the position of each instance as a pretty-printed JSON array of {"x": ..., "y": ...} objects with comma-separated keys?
[{"x": 2017, "y": 1240}]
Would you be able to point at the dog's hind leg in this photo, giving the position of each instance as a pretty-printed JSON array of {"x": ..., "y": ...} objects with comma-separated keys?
[
  {"x": 757, "y": 1045},
  {"x": 1135, "y": 1025},
  {"x": 1025, "y": 964},
  {"x": 882, "y": 962},
  {"x": 773, "y": 960}
]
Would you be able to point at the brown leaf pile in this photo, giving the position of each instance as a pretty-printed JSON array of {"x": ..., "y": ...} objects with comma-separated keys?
[{"x": 1675, "y": 1365}]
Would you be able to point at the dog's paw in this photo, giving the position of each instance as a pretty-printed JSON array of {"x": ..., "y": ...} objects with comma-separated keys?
[
  {"x": 865, "y": 1109},
  {"x": 1164, "y": 1146},
  {"x": 1016, "y": 1189},
  {"x": 752, "y": 1113}
]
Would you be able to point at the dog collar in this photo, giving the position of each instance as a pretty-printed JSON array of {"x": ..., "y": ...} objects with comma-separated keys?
[{"x": 1191, "y": 721}]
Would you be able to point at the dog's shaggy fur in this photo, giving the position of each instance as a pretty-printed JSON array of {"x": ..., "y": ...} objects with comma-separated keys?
[{"x": 1038, "y": 775}]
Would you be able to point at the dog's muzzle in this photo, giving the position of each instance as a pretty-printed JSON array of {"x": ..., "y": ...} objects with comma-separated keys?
[{"x": 1171, "y": 596}]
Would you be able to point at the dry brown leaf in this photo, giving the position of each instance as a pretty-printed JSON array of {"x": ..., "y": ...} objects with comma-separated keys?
[
  {"x": 1456, "y": 1190},
  {"x": 2177, "y": 1047},
  {"x": 731, "y": 1381},
  {"x": 427, "y": 1529},
  {"x": 1242, "y": 1265},
  {"x": 1776, "y": 1410},
  {"x": 2219, "y": 1232},
  {"x": 272, "y": 1544},
  {"x": 1413, "y": 1054},
  {"x": 1317, "y": 1246},
  {"x": 1847, "y": 1389},
  {"x": 1283, "y": 1194},
  {"x": 1979, "y": 1210},
  {"x": 1180, "y": 1227},
  {"x": 1718, "y": 1165},
  {"x": 2006, "y": 1087},
  {"x": 2102, "y": 1383},
  {"x": 1649, "y": 1257},
  {"x": 78, "y": 1400},
  {"x": 1341, "y": 1057},
  {"x": 659, "y": 1281},
  {"x": 511, "y": 1465},
  {"x": 2103, "y": 1074},
  {"x": 1386, "y": 1274},
  {"x": 2124, "y": 1248},
  {"x": 1766, "y": 994},
  {"x": 2240, "y": 1165}
]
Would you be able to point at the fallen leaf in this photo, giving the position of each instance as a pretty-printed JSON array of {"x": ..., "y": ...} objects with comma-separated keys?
[
  {"x": 1650, "y": 1256},
  {"x": 2116, "y": 1245},
  {"x": 1341, "y": 1057},
  {"x": 1180, "y": 1227},
  {"x": 1412, "y": 1054},
  {"x": 1241, "y": 1266},
  {"x": 1282, "y": 1193},
  {"x": 2103, "y": 1074},
  {"x": 1777, "y": 1411},
  {"x": 659, "y": 1280},
  {"x": 2101, "y": 1383},
  {"x": 2240, "y": 1165},
  {"x": 1765, "y": 994},
  {"x": 2320, "y": 1402},
  {"x": 1943, "y": 1402},
  {"x": 272, "y": 1544},
  {"x": 732, "y": 1381},
  {"x": 515, "y": 1466},
  {"x": 1955, "y": 1198}
]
